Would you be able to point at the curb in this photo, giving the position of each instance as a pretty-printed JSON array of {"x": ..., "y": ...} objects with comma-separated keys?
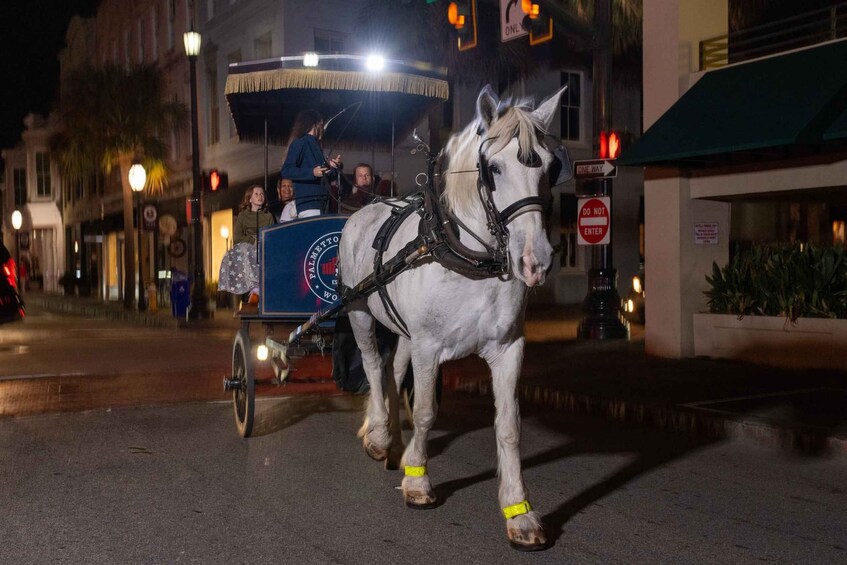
[
  {"x": 673, "y": 418},
  {"x": 71, "y": 306}
]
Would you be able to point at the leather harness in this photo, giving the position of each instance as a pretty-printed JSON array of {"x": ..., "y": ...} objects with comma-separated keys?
[{"x": 438, "y": 235}]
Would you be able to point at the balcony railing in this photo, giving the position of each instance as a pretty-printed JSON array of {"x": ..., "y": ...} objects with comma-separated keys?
[{"x": 791, "y": 33}]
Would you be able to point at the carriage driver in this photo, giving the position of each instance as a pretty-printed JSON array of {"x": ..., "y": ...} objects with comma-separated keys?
[{"x": 306, "y": 166}]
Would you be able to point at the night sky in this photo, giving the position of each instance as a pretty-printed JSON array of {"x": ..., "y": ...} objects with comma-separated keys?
[{"x": 32, "y": 32}]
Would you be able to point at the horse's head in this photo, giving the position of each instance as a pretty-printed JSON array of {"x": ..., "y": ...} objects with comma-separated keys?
[{"x": 506, "y": 143}]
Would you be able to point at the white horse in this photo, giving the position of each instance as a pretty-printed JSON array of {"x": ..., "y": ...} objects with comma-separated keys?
[{"x": 449, "y": 316}]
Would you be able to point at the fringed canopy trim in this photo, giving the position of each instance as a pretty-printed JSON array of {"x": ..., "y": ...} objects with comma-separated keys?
[{"x": 281, "y": 79}]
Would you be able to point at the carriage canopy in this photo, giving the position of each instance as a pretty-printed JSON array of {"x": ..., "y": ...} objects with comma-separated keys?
[{"x": 379, "y": 105}]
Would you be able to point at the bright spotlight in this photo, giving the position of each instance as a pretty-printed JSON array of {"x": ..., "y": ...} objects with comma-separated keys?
[
  {"x": 310, "y": 60},
  {"x": 375, "y": 63}
]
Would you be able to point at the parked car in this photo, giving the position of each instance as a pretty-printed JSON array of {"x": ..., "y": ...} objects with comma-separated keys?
[{"x": 11, "y": 304}]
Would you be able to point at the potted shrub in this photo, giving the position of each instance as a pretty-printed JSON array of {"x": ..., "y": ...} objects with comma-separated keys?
[{"x": 778, "y": 304}]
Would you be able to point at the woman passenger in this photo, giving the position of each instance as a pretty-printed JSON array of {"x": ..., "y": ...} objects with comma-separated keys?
[{"x": 239, "y": 272}]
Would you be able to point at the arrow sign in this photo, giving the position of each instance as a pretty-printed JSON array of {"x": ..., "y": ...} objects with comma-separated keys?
[{"x": 594, "y": 169}]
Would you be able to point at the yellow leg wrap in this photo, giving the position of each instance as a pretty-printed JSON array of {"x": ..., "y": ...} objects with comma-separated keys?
[
  {"x": 521, "y": 507},
  {"x": 415, "y": 471}
]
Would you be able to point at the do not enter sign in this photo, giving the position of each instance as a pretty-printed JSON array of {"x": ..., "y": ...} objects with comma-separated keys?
[{"x": 593, "y": 221}]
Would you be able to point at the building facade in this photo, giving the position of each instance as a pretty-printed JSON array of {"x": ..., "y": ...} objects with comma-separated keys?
[
  {"x": 235, "y": 31},
  {"x": 746, "y": 142},
  {"x": 32, "y": 187}
]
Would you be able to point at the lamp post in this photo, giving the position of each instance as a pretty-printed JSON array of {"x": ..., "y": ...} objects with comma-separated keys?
[
  {"x": 137, "y": 179},
  {"x": 199, "y": 308},
  {"x": 17, "y": 222}
]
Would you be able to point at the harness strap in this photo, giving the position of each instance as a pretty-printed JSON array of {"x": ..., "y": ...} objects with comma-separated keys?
[
  {"x": 522, "y": 206},
  {"x": 383, "y": 238}
]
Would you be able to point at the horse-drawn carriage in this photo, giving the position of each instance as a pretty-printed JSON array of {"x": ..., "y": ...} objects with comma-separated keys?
[
  {"x": 368, "y": 110},
  {"x": 446, "y": 270}
]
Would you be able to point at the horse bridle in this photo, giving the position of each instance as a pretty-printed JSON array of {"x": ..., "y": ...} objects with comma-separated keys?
[{"x": 498, "y": 221}]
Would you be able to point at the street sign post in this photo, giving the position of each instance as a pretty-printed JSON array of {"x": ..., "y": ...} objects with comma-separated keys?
[
  {"x": 595, "y": 169},
  {"x": 593, "y": 221}
]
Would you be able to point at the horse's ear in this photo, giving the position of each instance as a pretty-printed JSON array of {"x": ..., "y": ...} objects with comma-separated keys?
[
  {"x": 486, "y": 106},
  {"x": 547, "y": 109}
]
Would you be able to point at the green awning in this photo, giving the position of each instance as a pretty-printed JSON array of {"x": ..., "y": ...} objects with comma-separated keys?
[{"x": 770, "y": 107}]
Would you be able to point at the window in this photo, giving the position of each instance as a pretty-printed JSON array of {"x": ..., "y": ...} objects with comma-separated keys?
[
  {"x": 262, "y": 46},
  {"x": 212, "y": 89},
  {"x": 171, "y": 4},
  {"x": 42, "y": 175},
  {"x": 19, "y": 180},
  {"x": 328, "y": 42},
  {"x": 567, "y": 231},
  {"x": 126, "y": 48},
  {"x": 154, "y": 30},
  {"x": 140, "y": 40},
  {"x": 570, "y": 117}
]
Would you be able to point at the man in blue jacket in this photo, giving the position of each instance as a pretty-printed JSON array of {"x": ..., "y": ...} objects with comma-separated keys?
[{"x": 306, "y": 165}]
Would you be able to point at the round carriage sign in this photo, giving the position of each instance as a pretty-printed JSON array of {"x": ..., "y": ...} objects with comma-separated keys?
[
  {"x": 320, "y": 267},
  {"x": 593, "y": 221}
]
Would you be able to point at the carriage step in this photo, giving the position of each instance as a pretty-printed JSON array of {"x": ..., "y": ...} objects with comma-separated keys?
[{"x": 231, "y": 384}]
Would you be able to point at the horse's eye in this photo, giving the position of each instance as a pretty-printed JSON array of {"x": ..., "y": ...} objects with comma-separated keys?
[{"x": 495, "y": 170}]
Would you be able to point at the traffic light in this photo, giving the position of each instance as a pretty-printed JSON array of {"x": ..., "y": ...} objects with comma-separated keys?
[
  {"x": 215, "y": 180},
  {"x": 610, "y": 145},
  {"x": 536, "y": 22},
  {"x": 462, "y": 16}
]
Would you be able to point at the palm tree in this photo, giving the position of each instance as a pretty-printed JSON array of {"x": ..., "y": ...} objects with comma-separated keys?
[{"x": 111, "y": 116}]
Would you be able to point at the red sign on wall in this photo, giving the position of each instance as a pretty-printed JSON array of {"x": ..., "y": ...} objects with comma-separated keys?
[{"x": 593, "y": 221}]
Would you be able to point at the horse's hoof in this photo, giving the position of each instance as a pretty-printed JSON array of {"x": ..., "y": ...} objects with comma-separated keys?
[
  {"x": 526, "y": 533},
  {"x": 528, "y": 547},
  {"x": 374, "y": 452},
  {"x": 420, "y": 500}
]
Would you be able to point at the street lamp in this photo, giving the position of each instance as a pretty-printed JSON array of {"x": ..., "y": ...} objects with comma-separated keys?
[
  {"x": 137, "y": 179},
  {"x": 199, "y": 308},
  {"x": 17, "y": 222}
]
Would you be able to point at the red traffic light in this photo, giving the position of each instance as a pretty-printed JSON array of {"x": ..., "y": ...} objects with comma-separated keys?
[
  {"x": 614, "y": 145},
  {"x": 214, "y": 180},
  {"x": 610, "y": 145}
]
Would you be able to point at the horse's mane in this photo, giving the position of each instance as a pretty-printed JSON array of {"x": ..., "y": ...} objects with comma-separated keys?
[{"x": 461, "y": 153}]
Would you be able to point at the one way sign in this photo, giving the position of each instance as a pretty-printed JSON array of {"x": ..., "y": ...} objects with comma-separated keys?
[{"x": 594, "y": 169}]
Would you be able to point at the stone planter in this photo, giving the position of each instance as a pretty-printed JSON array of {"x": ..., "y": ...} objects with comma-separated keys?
[{"x": 819, "y": 343}]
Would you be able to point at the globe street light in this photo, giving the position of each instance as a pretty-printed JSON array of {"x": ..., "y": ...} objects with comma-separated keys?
[
  {"x": 199, "y": 308},
  {"x": 137, "y": 179},
  {"x": 17, "y": 222}
]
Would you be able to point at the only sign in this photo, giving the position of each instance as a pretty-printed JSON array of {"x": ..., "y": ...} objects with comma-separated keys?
[{"x": 593, "y": 221}]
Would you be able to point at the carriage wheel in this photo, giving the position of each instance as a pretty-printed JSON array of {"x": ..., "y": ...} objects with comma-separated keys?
[{"x": 244, "y": 393}]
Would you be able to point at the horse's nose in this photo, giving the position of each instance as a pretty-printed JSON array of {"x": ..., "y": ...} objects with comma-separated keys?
[{"x": 535, "y": 260}]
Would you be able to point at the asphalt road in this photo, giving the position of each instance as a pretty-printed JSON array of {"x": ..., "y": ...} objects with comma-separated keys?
[{"x": 177, "y": 485}]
